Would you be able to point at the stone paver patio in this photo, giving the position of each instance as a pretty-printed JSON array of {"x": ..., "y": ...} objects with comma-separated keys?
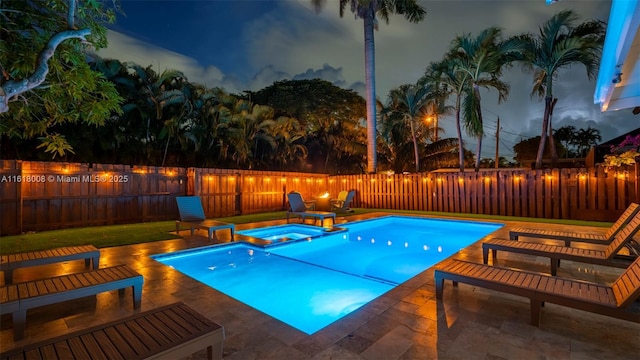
[{"x": 405, "y": 323}]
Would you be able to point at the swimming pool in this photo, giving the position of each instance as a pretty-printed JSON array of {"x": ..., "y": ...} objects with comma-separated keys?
[{"x": 309, "y": 284}]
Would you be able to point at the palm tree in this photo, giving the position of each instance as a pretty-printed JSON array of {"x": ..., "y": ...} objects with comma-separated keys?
[
  {"x": 481, "y": 58},
  {"x": 559, "y": 45},
  {"x": 369, "y": 11},
  {"x": 586, "y": 139},
  {"x": 408, "y": 105},
  {"x": 445, "y": 76}
]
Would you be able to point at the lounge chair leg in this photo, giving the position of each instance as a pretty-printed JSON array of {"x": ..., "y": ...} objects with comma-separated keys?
[
  {"x": 554, "y": 266},
  {"x": 535, "y": 312},
  {"x": 96, "y": 262},
  {"x": 439, "y": 286},
  {"x": 137, "y": 296},
  {"x": 8, "y": 275},
  {"x": 485, "y": 255},
  {"x": 19, "y": 318}
]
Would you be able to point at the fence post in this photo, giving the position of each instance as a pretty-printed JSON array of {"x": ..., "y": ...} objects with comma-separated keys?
[
  {"x": 239, "y": 187},
  {"x": 637, "y": 179}
]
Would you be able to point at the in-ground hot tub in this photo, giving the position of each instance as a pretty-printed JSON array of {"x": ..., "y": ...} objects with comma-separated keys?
[{"x": 285, "y": 232}]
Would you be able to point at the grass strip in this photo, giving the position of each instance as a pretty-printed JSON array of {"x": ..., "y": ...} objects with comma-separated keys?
[{"x": 128, "y": 234}]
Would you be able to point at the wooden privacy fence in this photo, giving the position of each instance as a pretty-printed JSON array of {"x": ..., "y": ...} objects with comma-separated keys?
[
  {"x": 586, "y": 194},
  {"x": 37, "y": 196}
]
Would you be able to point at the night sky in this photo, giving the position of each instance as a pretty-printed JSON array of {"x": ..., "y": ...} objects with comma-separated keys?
[{"x": 249, "y": 44}]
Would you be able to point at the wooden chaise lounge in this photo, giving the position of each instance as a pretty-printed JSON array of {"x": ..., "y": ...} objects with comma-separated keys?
[
  {"x": 605, "y": 257},
  {"x": 9, "y": 263},
  {"x": 170, "y": 332},
  {"x": 569, "y": 237},
  {"x": 17, "y": 298},
  {"x": 192, "y": 215},
  {"x": 298, "y": 207},
  {"x": 613, "y": 300}
]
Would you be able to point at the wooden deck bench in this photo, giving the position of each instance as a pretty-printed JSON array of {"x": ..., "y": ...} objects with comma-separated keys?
[
  {"x": 8, "y": 263},
  {"x": 601, "y": 299},
  {"x": 169, "y": 332},
  {"x": 17, "y": 298}
]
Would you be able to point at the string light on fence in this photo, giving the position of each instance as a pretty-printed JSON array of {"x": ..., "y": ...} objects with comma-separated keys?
[
  {"x": 232, "y": 178},
  {"x": 460, "y": 180},
  {"x": 439, "y": 179},
  {"x": 487, "y": 179},
  {"x": 283, "y": 179},
  {"x": 267, "y": 179},
  {"x": 622, "y": 175},
  {"x": 582, "y": 175}
]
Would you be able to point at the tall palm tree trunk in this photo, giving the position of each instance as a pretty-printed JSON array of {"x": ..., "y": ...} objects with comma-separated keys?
[
  {"x": 476, "y": 92},
  {"x": 552, "y": 145},
  {"x": 545, "y": 128},
  {"x": 415, "y": 145},
  {"x": 370, "y": 79},
  {"x": 459, "y": 131}
]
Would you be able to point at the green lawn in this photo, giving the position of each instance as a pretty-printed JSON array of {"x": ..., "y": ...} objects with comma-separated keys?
[{"x": 117, "y": 235}]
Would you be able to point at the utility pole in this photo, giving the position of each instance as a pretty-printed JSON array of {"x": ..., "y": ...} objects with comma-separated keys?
[{"x": 497, "y": 142}]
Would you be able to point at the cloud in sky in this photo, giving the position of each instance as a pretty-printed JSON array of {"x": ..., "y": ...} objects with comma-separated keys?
[{"x": 289, "y": 40}]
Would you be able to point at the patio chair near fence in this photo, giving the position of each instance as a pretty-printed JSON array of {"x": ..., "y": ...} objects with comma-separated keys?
[
  {"x": 298, "y": 207},
  {"x": 606, "y": 257},
  {"x": 569, "y": 237},
  {"x": 341, "y": 204},
  {"x": 192, "y": 215}
]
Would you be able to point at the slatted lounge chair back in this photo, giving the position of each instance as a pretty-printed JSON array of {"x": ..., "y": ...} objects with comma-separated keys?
[
  {"x": 626, "y": 216},
  {"x": 349, "y": 198},
  {"x": 295, "y": 202},
  {"x": 626, "y": 288},
  {"x": 342, "y": 196},
  {"x": 625, "y": 235},
  {"x": 190, "y": 208}
]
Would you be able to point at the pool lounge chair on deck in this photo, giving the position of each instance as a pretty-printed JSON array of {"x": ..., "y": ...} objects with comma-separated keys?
[
  {"x": 170, "y": 332},
  {"x": 613, "y": 300},
  {"x": 605, "y": 257},
  {"x": 17, "y": 298},
  {"x": 569, "y": 237},
  {"x": 192, "y": 215},
  {"x": 11, "y": 262},
  {"x": 298, "y": 207}
]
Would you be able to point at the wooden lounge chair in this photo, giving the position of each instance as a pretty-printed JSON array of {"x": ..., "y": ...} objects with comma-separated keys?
[
  {"x": 9, "y": 263},
  {"x": 569, "y": 237},
  {"x": 341, "y": 204},
  {"x": 17, "y": 298},
  {"x": 192, "y": 215},
  {"x": 298, "y": 207},
  {"x": 601, "y": 299},
  {"x": 605, "y": 257},
  {"x": 170, "y": 332}
]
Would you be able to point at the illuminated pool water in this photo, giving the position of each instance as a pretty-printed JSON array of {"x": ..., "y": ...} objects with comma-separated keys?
[{"x": 309, "y": 284}]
